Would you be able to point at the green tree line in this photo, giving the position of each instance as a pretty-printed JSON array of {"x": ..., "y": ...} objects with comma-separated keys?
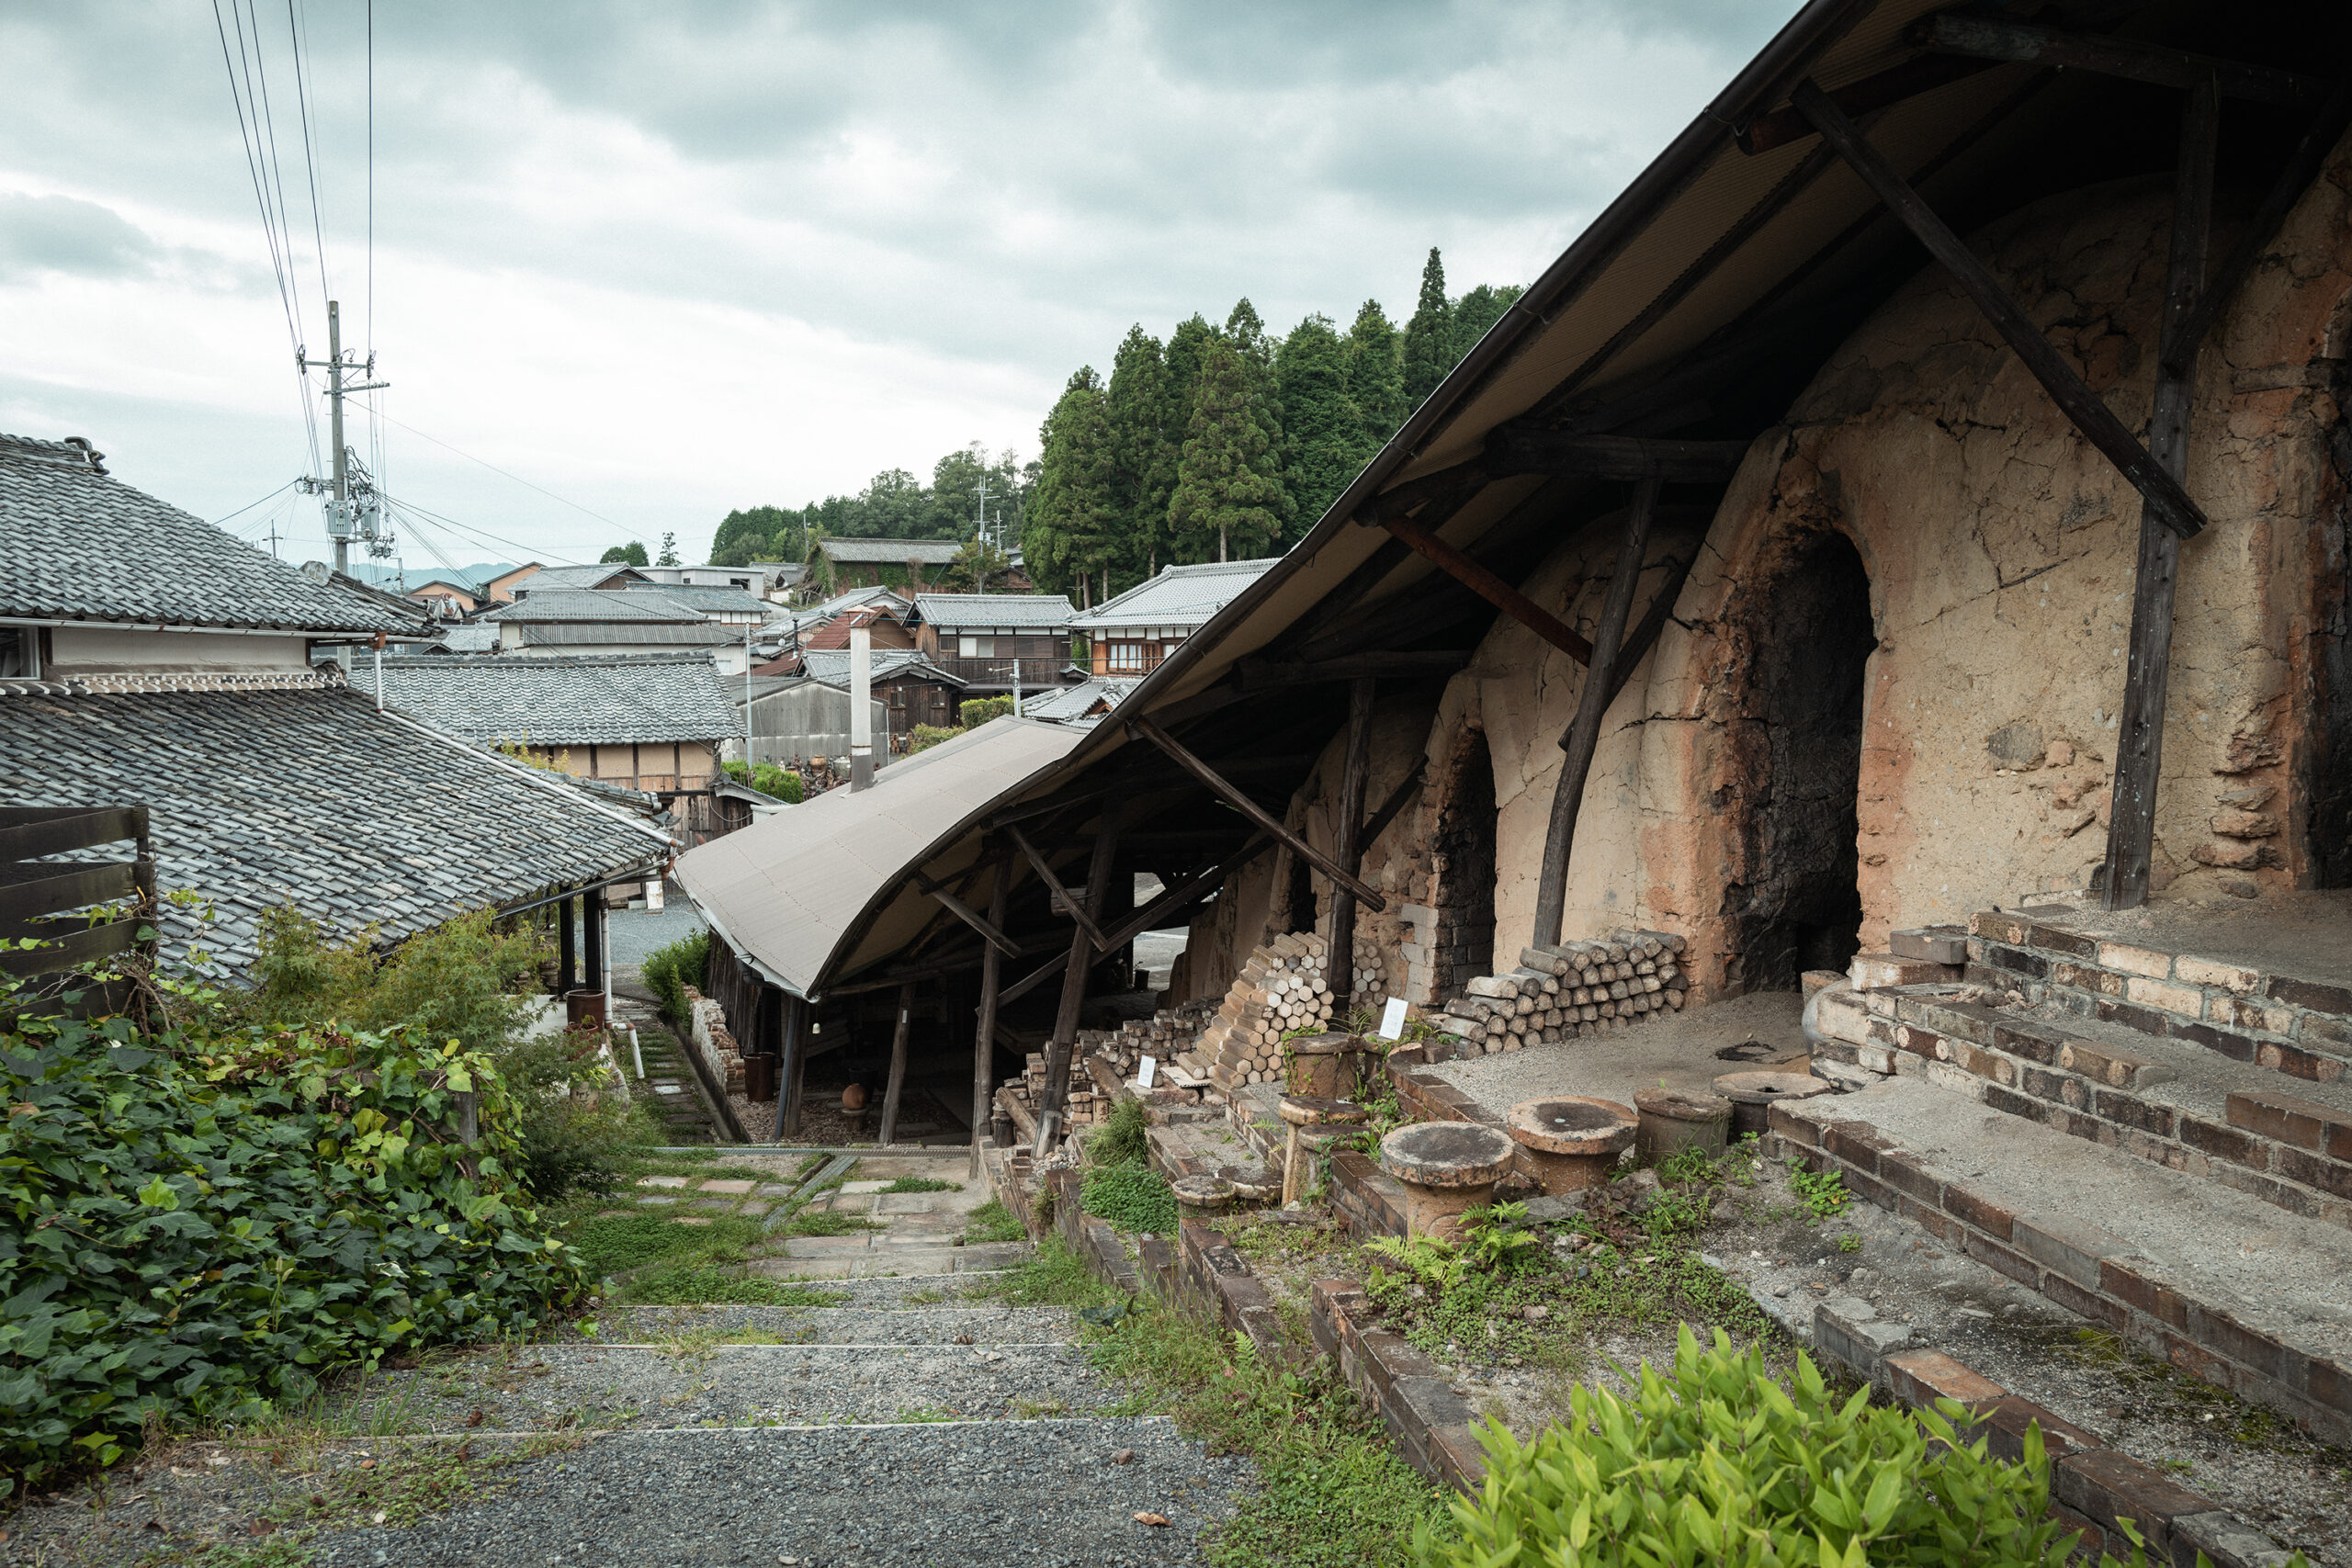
[{"x": 1221, "y": 443}]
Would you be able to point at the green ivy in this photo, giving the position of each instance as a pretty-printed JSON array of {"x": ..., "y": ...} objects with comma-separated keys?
[
  {"x": 1132, "y": 1197},
  {"x": 205, "y": 1224}
]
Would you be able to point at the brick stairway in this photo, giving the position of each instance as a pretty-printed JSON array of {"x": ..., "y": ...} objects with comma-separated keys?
[{"x": 2159, "y": 1139}]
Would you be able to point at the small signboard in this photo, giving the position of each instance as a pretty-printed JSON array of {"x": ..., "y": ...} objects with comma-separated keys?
[
  {"x": 1146, "y": 1072},
  {"x": 1392, "y": 1019}
]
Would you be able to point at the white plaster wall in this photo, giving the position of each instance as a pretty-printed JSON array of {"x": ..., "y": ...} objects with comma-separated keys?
[{"x": 115, "y": 651}]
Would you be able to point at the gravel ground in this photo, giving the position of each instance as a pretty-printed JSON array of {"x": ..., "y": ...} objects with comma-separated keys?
[
  {"x": 632, "y": 933},
  {"x": 903, "y": 1495},
  {"x": 886, "y": 1324},
  {"x": 548, "y": 1387}
]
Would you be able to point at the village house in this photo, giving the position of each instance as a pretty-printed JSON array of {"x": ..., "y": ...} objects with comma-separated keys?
[
  {"x": 149, "y": 659},
  {"x": 1131, "y": 633},
  {"x": 904, "y": 564},
  {"x": 449, "y": 599},
  {"x": 797, "y": 719},
  {"x": 915, "y": 690},
  {"x": 994, "y": 642},
  {"x": 546, "y": 622}
]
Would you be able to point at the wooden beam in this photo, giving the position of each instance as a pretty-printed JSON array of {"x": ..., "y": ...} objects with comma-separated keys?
[
  {"x": 792, "y": 1056},
  {"x": 1076, "y": 906},
  {"x": 1256, "y": 813},
  {"x": 1868, "y": 95},
  {"x": 1407, "y": 787},
  {"x": 2302, "y": 168},
  {"x": 898, "y": 1080},
  {"x": 1193, "y": 889},
  {"x": 984, "y": 1027},
  {"x": 1584, "y": 730},
  {"x": 2139, "y": 738},
  {"x": 1998, "y": 39},
  {"x": 2066, "y": 388},
  {"x": 1637, "y": 643},
  {"x": 1267, "y": 674},
  {"x": 989, "y": 931},
  {"x": 1443, "y": 492},
  {"x": 1513, "y": 450},
  {"x": 1492, "y": 589},
  {"x": 1341, "y": 968},
  {"x": 1035, "y": 979},
  {"x": 1084, "y": 937}
]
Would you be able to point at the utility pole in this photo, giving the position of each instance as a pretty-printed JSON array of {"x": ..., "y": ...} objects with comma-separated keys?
[
  {"x": 339, "y": 523},
  {"x": 980, "y": 536}
]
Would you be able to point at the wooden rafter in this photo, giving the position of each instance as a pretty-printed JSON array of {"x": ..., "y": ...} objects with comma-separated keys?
[
  {"x": 2000, "y": 40},
  {"x": 2065, "y": 386},
  {"x": 1520, "y": 450},
  {"x": 1076, "y": 906},
  {"x": 989, "y": 931}
]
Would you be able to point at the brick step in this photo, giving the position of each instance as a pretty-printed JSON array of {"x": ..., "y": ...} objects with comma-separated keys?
[
  {"x": 2225, "y": 1286},
  {"x": 2159, "y": 1098},
  {"x": 2242, "y": 1008}
]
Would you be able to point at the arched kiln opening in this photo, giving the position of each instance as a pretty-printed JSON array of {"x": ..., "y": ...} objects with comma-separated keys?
[
  {"x": 1464, "y": 859},
  {"x": 1802, "y": 907}
]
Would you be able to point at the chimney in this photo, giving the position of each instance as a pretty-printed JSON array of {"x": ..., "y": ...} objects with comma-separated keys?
[{"x": 861, "y": 698}]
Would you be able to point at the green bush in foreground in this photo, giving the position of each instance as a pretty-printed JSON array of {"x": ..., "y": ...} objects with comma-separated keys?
[
  {"x": 667, "y": 971},
  {"x": 198, "y": 1231},
  {"x": 1717, "y": 1463}
]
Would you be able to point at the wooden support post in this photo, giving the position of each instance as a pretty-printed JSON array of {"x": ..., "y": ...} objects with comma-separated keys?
[
  {"x": 898, "y": 1065},
  {"x": 592, "y": 940},
  {"x": 2091, "y": 414},
  {"x": 1194, "y": 888},
  {"x": 1492, "y": 589},
  {"x": 984, "y": 1030},
  {"x": 1077, "y": 906},
  {"x": 1584, "y": 730},
  {"x": 792, "y": 1051},
  {"x": 567, "y": 972},
  {"x": 1407, "y": 787},
  {"x": 1081, "y": 951},
  {"x": 1341, "y": 956},
  {"x": 2139, "y": 738},
  {"x": 1247, "y": 807},
  {"x": 991, "y": 931}
]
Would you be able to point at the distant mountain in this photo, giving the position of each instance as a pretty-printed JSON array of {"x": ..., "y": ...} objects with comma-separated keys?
[{"x": 417, "y": 577}]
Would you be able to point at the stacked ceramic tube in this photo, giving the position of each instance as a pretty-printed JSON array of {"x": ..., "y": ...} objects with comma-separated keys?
[
  {"x": 1572, "y": 991},
  {"x": 1279, "y": 991},
  {"x": 1161, "y": 1036},
  {"x": 1082, "y": 1108}
]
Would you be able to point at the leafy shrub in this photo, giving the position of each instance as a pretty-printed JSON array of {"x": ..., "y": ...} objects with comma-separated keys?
[
  {"x": 204, "y": 1228},
  {"x": 667, "y": 971},
  {"x": 575, "y": 1133},
  {"x": 980, "y": 710},
  {"x": 776, "y": 782},
  {"x": 465, "y": 980},
  {"x": 1717, "y": 1462},
  {"x": 924, "y": 737},
  {"x": 1123, "y": 1138},
  {"x": 1132, "y": 1197}
]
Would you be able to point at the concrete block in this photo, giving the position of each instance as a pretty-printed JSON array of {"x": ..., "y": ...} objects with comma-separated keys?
[{"x": 1850, "y": 1329}]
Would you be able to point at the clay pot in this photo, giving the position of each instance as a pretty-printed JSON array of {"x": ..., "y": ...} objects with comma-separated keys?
[
  {"x": 853, "y": 1097},
  {"x": 1570, "y": 1141},
  {"x": 1313, "y": 1066},
  {"x": 1445, "y": 1167},
  {"x": 1753, "y": 1094},
  {"x": 1673, "y": 1120}
]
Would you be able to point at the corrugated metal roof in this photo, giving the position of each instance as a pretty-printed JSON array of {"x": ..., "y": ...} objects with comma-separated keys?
[
  {"x": 78, "y": 545},
  {"x": 1068, "y": 705},
  {"x": 788, "y": 891},
  {"x": 949, "y": 611},
  {"x": 1179, "y": 595},
  {"x": 609, "y": 699}
]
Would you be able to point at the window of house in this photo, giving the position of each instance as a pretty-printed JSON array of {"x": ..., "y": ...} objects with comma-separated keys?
[
  {"x": 1127, "y": 658},
  {"x": 974, "y": 648}
]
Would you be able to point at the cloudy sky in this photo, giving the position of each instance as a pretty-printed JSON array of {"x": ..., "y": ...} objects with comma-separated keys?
[{"x": 660, "y": 261}]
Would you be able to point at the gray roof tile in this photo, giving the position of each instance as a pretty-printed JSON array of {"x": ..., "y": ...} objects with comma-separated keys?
[
  {"x": 892, "y": 552},
  {"x": 591, "y": 604},
  {"x": 1179, "y": 595},
  {"x": 1026, "y": 611},
  {"x": 77, "y": 546},
  {"x": 610, "y": 699}
]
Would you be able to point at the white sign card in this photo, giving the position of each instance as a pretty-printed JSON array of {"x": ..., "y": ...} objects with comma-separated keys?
[
  {"x": 1144, "y": 1073},
  {"x": 1392, "y": 1019}
]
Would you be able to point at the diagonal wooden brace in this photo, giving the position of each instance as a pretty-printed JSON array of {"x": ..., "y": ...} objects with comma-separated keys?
[
  {"x": 1256, "y": 813},
  {"x": 2168, "y": 501},
  {"x": 1076, "y": 907},
  {"x": 969, "y": 916},
  {"x": 1492, "y": 589}
]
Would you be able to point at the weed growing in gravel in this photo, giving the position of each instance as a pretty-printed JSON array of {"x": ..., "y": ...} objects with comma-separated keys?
[
  {"x": 1055, "y": 1277},
  {"x": 692, "y": 1284},
  {"x": 621, "y": 1242},
  {"x": 923, "y": 1184},
  {"x": 824, "y": 1222},
  {"x": 1822, "y": 1192},
  {"x": 991, "y": 1222}
]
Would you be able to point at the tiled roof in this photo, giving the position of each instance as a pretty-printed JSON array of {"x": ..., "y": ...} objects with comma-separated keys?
[
  {"x": 549, "y": 576},
  {"x": 704, "y": 600},
  {"x": 891, "y": 552},
  {"x": 849, "y": 599},
  {"x": 693, "y": 633},
  {"x": 1179, "y": 595},
  {"x": 607, "y": 699},
  {"x": 1068, "y": 705},
  {"x": 591, "y": 604},
  {"x": 470, "y": 637},
  {"x": 831, "y": 666},
  {"x": 77, "y": 546},
  {"x": 1022, "y": 610},
  {"x": 313, "y": 798}
]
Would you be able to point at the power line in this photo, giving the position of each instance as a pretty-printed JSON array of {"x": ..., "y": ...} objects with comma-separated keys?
[
  {"x": 467, "y": 528},
  {"x": 281, "y": 489},
  {"x": 518, "y": 479},
  {"x": 310, "y": 153}
]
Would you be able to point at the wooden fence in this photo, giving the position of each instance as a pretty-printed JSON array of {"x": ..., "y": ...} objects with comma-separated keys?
[{"x": 39, "y": 899}]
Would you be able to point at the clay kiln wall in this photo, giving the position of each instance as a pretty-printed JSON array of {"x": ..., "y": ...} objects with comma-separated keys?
[{"x": 1999, "y": 549}]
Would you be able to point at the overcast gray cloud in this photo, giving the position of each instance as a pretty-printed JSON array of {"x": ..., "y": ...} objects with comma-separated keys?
[{"x": 666, "y": 260}]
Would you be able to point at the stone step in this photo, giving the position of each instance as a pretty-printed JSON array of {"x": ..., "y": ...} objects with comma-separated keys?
[
  {"x": 1046, "y": 1494},
  {"x": 802, "y": 1260},
  {"x": 2283, "y": 1139},
  {"x": 701, "y": 1382},
  {"x": 875, "y": 1320},
  {"x": 2221, "y": 1285},
  {"x": 2282, "y": 1001}
]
